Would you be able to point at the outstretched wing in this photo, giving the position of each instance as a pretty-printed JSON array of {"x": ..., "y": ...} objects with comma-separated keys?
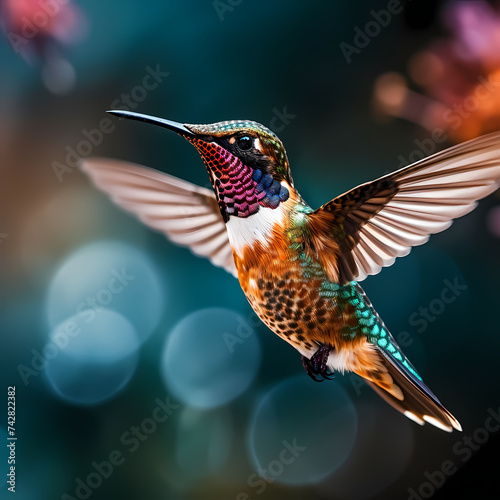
[
  {"x": 366, "y": 228},
  {"x": 187, "y": 214}
]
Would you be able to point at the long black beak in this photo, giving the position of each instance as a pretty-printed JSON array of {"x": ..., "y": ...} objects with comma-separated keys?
[{"x": 176, "y": 127}]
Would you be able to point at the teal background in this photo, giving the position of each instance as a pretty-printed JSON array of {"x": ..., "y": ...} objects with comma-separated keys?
[{"x": 261, "y": 57}]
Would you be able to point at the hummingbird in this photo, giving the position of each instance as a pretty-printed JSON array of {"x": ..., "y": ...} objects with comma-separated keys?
[{"x": 301, "y": 268}]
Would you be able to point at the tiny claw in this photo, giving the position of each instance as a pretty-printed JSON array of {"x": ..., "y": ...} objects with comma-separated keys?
[
  {"x": 309, "y": 369},
  {"x": 317, "y": 365}
]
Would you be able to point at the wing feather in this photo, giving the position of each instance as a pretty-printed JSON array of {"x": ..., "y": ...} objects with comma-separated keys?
[
  {"x": 369, "y": 226},
  {"x": 187, "y": 214}
]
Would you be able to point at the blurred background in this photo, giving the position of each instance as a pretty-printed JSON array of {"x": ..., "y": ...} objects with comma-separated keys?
[{"x": 140, "y": 369}]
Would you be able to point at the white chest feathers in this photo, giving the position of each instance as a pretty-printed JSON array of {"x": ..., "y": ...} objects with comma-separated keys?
[{"x": 259, "y": 227}]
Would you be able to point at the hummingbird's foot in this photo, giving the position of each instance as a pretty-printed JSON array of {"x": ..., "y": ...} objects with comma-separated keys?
[{"x": 317, "y": 365}]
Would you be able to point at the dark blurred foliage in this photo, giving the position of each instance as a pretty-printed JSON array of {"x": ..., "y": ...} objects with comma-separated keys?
[{"x": 282, "y": 64}]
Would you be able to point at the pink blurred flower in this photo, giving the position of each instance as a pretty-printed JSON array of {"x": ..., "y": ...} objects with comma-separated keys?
[
  {"x": 39, "y": 30},
  {"x": 459, "y": 76}
]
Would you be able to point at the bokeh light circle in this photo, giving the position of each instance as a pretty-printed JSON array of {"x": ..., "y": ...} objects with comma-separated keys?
[
  {"x": 109, "y": 275},
  {"x": 88, "y": 362},
  {"x": 302, "y": 431},
  {"x": 210, "y": 357},
  {"x": 383, "y": 450}
]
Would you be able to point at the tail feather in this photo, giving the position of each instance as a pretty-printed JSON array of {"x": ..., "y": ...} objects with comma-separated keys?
[
  {"x": 407, "y": 394},
  {"x": 390, "y": 373}
]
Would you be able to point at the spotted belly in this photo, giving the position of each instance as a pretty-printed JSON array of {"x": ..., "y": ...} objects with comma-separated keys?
[
  {"x": 289, "y": 289},
  {"x": 297, "y": 311}
]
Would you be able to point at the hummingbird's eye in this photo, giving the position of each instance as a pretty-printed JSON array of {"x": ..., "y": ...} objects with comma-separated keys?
[{"x": 245, "y": 143}]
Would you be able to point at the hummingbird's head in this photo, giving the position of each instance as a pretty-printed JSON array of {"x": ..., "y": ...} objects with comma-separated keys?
[{"x": 246, "y": 162}]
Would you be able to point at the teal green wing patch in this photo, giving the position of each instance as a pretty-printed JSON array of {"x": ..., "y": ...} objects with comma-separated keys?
[{"x": 379, "y": 335}]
